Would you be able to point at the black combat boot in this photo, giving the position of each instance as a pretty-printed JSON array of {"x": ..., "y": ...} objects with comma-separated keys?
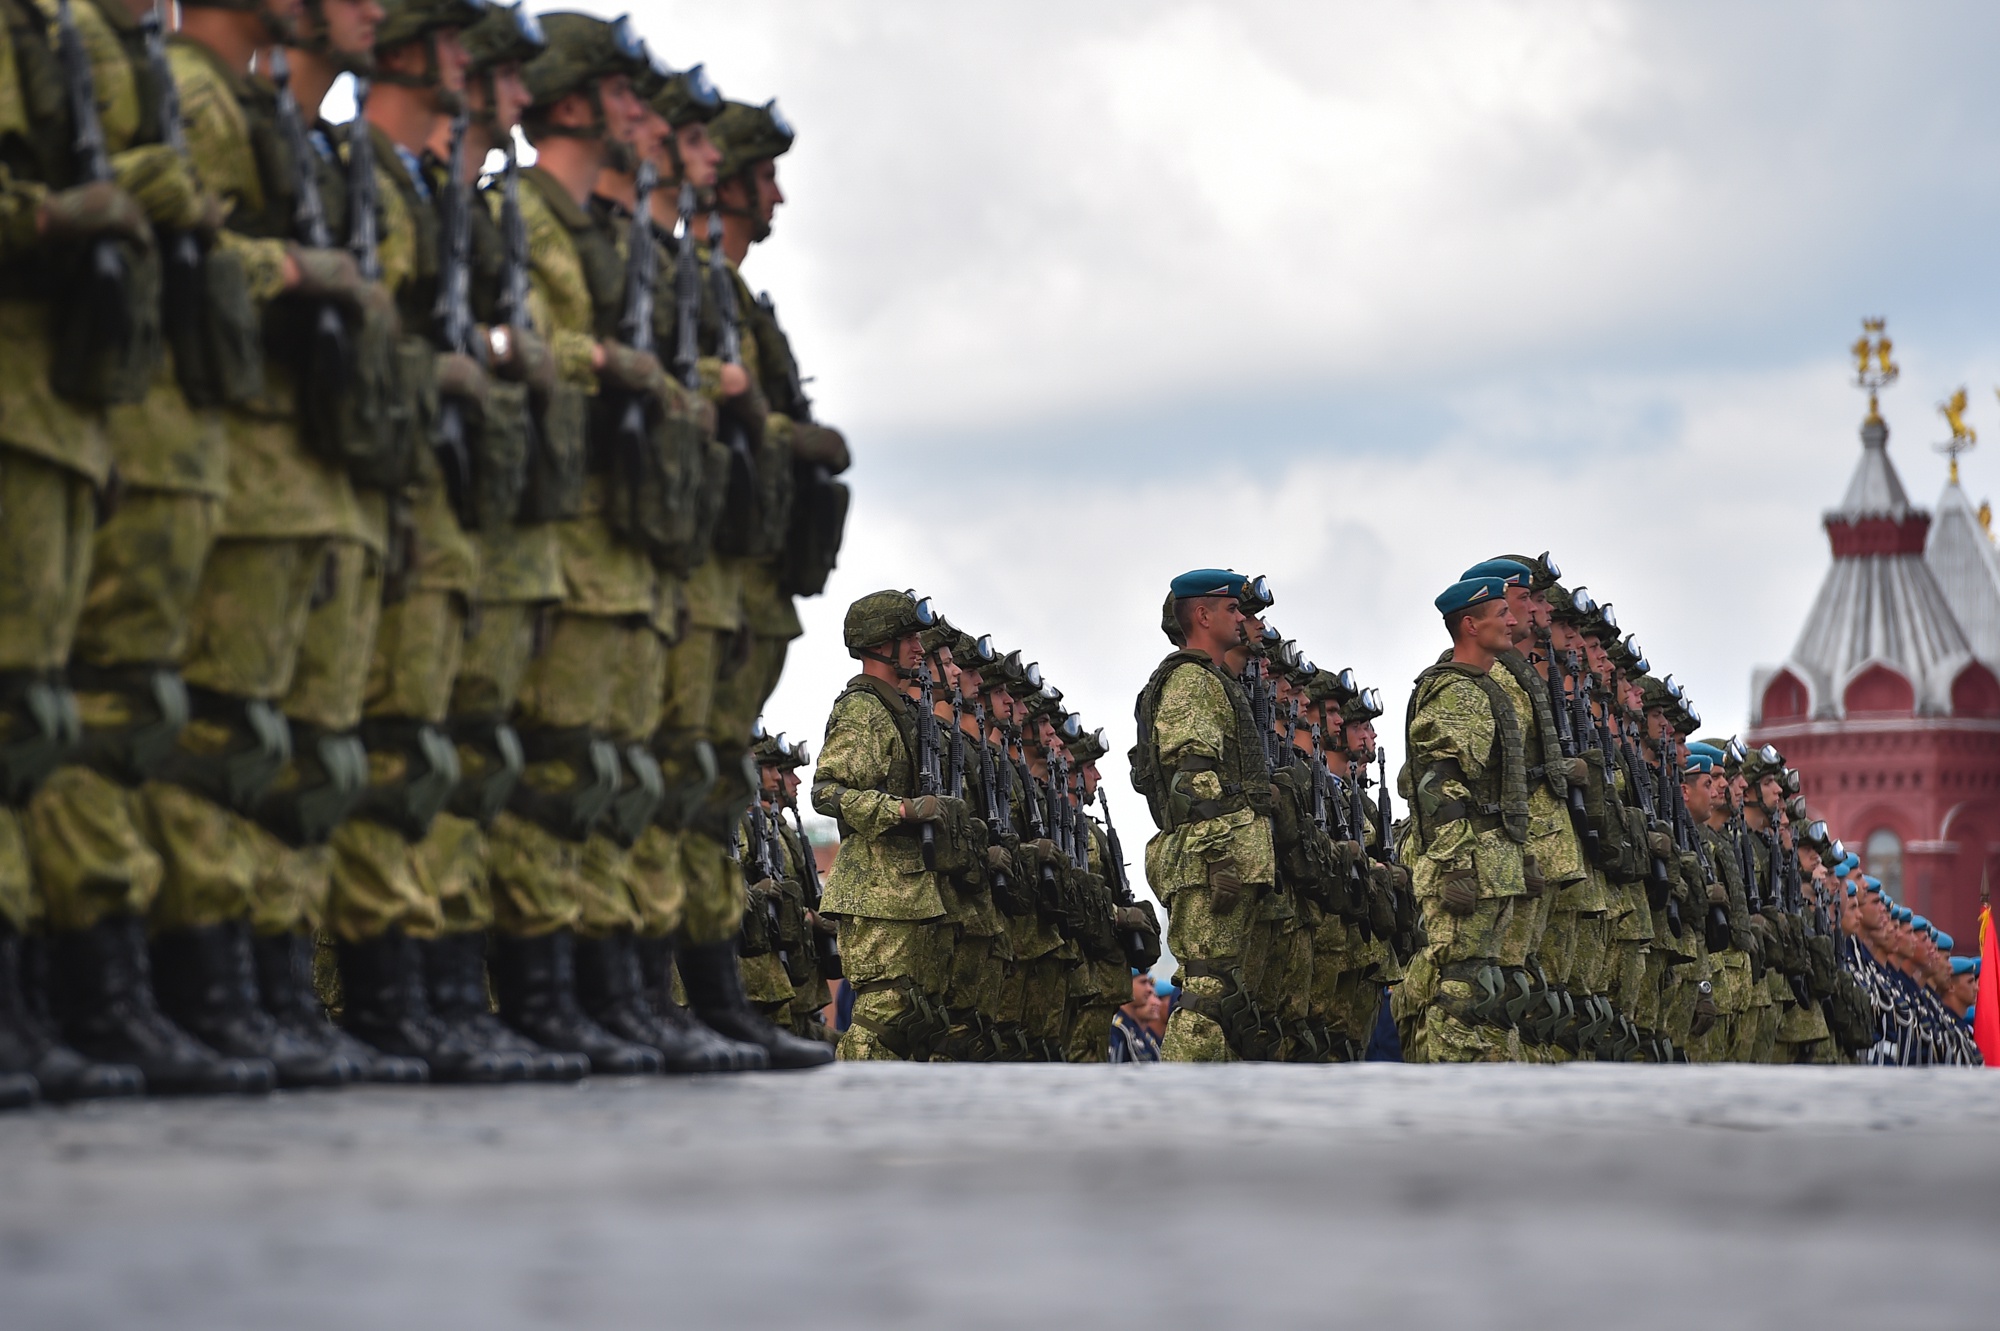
[
  {"x": 382, "y": 981},
  {"x": 611, "y": 986},
  {"x": 714, "y": 983},
  {"x": 285, "y": 983},
  {"x": 455, "y": 973},
  {"x": 102, "y": 992},
  {"x": 208, "y": 983},
  {"x": 535, "y": 979},
  {"x": 696, "y": 1048},
  {"x": 29, "y": 1048}
]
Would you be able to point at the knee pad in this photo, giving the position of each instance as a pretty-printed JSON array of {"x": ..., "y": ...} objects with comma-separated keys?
[
  {"x": 318, "y": 790},
  {"x": 231, "y": 751},
  {"x": 489, "y": 764},
  {"x": 641, "y": 793},
  {"x": 155, "y": 702},
  {"x": 430, "y": 775},
  {"x": 574, "y": 810},
  {"x": 39, "y": 730}
]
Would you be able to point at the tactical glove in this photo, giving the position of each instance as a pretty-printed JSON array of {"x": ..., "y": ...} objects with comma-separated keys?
[
  {"x": 332, "y": 275},
  {"x": 1718, "y": 895},
  {"x": 522, "y": 356},
  {"x": 1458, "y": 892},
  {"x": 999, "y": 860},
  {"x": 631, "y": 370},
  {"x": 163, "y": 184},
  {"x": 1135, "y": 917},
  {"x": 820, "y": 444},
  {"x": 1661, "y": 844},
  {"x": 97, "y": 209},
  {"x": 933, "y": 809},
  {"x": 458, "y": 375},
  {"x": 1576, "y": 770}
]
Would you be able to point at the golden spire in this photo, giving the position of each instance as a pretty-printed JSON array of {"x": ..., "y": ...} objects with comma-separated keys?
[
  {"x": 1963, "y": 436},
  {"x": 1873, "y": 370}
]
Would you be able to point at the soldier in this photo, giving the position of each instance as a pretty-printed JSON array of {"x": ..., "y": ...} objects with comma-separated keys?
[
  {"x": 1469, "y": 807},
  {"x": 1726, "y": 915},
  {"x": 1116, "y": 935},
  {"x": 1200, "y": 764},
  {"x": 815, "y": 959},
  {"x": 773, "y": 931},
  {"x": 67, "y": 416},
  {"x": 882, "y": 891},
  {"x": 1763, "y": 778}
]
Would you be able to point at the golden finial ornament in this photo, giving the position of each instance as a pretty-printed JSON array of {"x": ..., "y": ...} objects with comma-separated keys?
[
  {"x": 1873, "y": 368},
  {"x": 1963, "y": 436}
]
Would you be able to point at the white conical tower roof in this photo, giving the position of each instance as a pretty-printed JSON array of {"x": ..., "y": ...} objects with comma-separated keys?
[
  {"x": 1966, "y": 566},
  {"x": 1880, "y": 604}
]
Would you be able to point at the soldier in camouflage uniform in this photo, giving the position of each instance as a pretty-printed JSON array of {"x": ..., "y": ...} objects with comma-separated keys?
[
  {"x": 1200, "y": 764},
  {"x": 1116, "y": 935},
  {"x": 803, "y": 970},
  {"x": 886, "y": 901},
  {"x": 60, "y": 436},
  {"x": 1469, "y": 808}
]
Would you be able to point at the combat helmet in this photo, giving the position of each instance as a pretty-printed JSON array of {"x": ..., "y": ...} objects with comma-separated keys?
[
  {"x": 748, "y": 135},
  {"x": 883, "y": 617},
  {"x": 407, "y": 21},
  {"x": 581, "y": 50},
  {"x": 506, "y": 35},
  {"x": 685, "y": 97}
]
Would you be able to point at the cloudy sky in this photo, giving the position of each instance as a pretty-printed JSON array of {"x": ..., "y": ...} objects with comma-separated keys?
[{"x": 1356, "y": 295}]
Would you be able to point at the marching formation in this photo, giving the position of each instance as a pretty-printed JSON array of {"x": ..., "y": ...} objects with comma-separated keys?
[
  {"x": 1578, "y": 876},
  {"x": 982, "y": 908},
  {"x": 396, "y": 556}
]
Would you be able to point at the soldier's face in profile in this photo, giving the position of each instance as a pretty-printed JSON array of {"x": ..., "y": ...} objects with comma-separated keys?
[
  {"x": 350, "y": 24},
  {"x": 510, "y": 96},
  {"x": 1361, "y": 741},
  {"x": 1770, "y": 792},
  {"x": 1699, "y": 792},
  {"x": 1518, "y": 606},
  {"x": 791, "y": 780},
  {"x": 622, "y": 108},
  {"x": 1492, "y": 627},
  {"x": 774, "y": 780},
  {"x": 649, "y": 133},
  {"x": 945, "y": 668},
  {"x": 769, "y": 196},
  {"x": 909, "y": 651},
  {"x": 452, "y": 61},
  {"x": 699, "y": 155},
  {"x": 1090, "y": 780}
]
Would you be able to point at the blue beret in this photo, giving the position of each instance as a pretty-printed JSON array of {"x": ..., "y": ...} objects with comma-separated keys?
[
  {"x": 1873, "y": 883},
  {"x": 1698, "y": 763},
  {"x": 1919, "y": 922},
  {"x": 1944, "y": 940},
  {"x": 1965, "y": 965},
  {"x": 1849, "y": 865},
  {"x": 1510, "y": 572},
  {"x": 1469, "y": 592},
  {"x": 1902, "y": 914},
  {"x": 1851, "y": 889},
  {"x": 1715, "y": 755},
  {"x": 1208, "y": 582}
]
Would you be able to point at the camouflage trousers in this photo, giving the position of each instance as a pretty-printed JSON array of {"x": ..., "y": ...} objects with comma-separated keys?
[
  {"x": 769, "y": 987},
  {"x": 18, "y": 904},
  {"x": 898, "y": 970},
  {"x": 1223, "y": 955},
  {"x": 48, "y": 516}
]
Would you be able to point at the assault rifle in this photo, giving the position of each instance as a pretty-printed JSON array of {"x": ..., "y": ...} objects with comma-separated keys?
[
  {"x": 512, "y": 306},
  {"x": 1384, "y": 851},
  {"x": 1570, "y": 740},
  {"x": 183, "y": 299},
  {"x": 1134, "y": 940},
  {"x": 687, "y": 295},
  {"x": 364, "y": 240},
  {"x": 326, "y": 367},
  {"x": 955, "y": 760},
  {"x": 763, "y": 866},
  {"x": 1658, "y": 806},
  {"x": 108, "y": 280},
  {"x": 453, "y": 316},
  {"x": 1031, "y": 806},
  {"x": 742, "y": 466},
  {"x": 999, "y": 818},
  {"x": 826, "y": 944},
  {"x": 929, "y": 782},
  {"x": 633, "y": 411}
]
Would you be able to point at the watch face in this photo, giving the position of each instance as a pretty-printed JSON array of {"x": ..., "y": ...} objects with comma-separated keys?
[{"x": 500, "y": 343}]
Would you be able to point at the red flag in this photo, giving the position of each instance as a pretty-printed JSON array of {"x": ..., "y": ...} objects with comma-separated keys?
[{"x": 1986, "y": 1015}]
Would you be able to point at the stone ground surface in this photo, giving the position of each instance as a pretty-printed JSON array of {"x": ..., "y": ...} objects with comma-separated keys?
[{"x": 1170, "y": 1198}]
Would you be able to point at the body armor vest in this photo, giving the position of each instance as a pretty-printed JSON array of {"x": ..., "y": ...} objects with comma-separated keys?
[
  {"x": 1549, "y": 758},
  {"x": 1246, "y": 780},
  {"x": 1502, "y": 790}
]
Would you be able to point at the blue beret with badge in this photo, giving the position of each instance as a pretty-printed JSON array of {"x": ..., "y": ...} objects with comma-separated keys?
[
  {"x": 1965, "y": 965},
  {"x": 1944, "y": 940},
  {"x": 1208, "y": 582},
  {"x": 1699, "y": 763},
  {"x": 1469, "y": 592},
  {"x": 1511, "y": 572}
]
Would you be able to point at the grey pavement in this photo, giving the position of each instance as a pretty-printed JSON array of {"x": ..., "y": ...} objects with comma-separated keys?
[{"x": 1170, "y": 1198}]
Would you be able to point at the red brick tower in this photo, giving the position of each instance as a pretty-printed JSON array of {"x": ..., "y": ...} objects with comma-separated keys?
[{"x": 1889, "y": 705}]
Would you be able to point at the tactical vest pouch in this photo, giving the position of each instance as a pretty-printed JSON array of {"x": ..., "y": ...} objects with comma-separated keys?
[
  {"x": 553, "y": 489},
  {"x": 231, "y": 750},
  {"x": 489, "y": 764},
  {"x": 154, "y": 702},
  {"x": 640, "y": 796},
  {"x": 429, "y": 774},
  {"x": 39, "y": 731},
  {"x": 757, "y": 508},
  {"x": 366, "y": 415},
  {"x": 571, "y": 779},
  {"x": 107, "y": 336},
  {"x": 651, "y": 498},
  {"x": 694, "y": 760},
  {"x": 757, "y": 938},
  {"x": 217, "y": 346},
  {"x": 500, "y": 457},
  {"x": 318, "y": 790},
  {"x": 819, "y": 522}
]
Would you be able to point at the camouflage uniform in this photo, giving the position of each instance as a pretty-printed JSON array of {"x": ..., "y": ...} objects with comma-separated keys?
[
  {"x": 1470, "y": 811},
  {"x": 1213, "y": 860}
]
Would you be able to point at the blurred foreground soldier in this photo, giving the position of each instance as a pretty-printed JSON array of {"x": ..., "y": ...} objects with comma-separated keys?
[
  {"x": 1200, "y": 764},
  {"x": 884, "y": 886},
  {"x": 1470, "y": 815},
  {"x": 782, "y": 969}
]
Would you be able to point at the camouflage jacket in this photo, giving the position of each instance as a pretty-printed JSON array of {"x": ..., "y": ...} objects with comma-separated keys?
[
  {"x": 1454, "y": 744},
  {"x": 1552, "y": 837},
  {"x": 1195, "y": 719},
  {"x": 866, "y": 770}
]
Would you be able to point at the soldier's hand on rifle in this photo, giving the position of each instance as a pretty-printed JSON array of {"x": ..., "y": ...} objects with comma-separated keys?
[
  {"x": 619, "y": 366},
  {"x": 999, "y": 859},
  {"x": 735, "y": 381},
  {"x": 163, "y": 184},
  {"x": 1577, "y": 770},
  {"x": 330, "y": 274},
  {"x": 99, "y": 208},
  {"x": 1660, "y": 844},
  {"x": 458, "y": 375},
  {"x": 520, "y": 355},
  {"x": 932, "y": 809}
]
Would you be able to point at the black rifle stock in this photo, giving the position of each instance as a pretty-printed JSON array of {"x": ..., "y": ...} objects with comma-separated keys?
[
  {"x": 326, "y": 358},
  {"x": 742, "y": 466},
  {"x": 929, "y": 782},
  {"x": 453, "y": 316}
]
